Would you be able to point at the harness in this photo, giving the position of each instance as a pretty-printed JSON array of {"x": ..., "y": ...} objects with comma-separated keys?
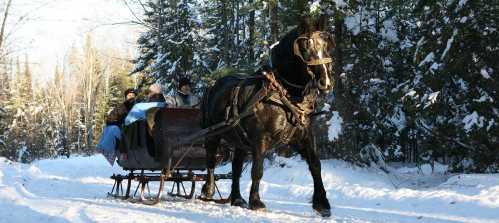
[{"x": 274, "y": 92}]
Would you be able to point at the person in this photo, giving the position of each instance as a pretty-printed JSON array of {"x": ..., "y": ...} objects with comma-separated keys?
[
  {"x": 118, "y": 114},
  {"x": 184, "y": 98},
  {"x": 155, "y": 99},
  {"x": 114, "y": 121},
  {"x": 155, "y": 94}
]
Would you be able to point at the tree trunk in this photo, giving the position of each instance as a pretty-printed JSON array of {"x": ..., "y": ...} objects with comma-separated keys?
[
  {"x": 252, "y": 32},
  {"x": 274, "y": 21},
  {"x": 226, "y": 33},
  {"x": 4, "y": 22}
]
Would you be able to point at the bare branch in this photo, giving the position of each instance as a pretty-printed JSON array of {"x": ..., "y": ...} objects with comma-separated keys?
[
  {"x": 139, "y": 21},
  {"x": 4, "y": 21}
]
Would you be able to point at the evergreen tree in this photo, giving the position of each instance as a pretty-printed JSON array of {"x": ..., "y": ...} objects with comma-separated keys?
[
  {"x": 167, "y": 48},
  {"x": 457, "y": 85}
]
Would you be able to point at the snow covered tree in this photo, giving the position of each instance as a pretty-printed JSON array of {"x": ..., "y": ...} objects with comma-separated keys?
[
  {"x": 167, "y": 49},
  {"x": 456, "y": 88}
]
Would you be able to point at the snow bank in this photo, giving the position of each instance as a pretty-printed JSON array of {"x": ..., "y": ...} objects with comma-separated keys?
[
  {"x": 334, "y": 129},
  {"x": 73, "y": 190}
]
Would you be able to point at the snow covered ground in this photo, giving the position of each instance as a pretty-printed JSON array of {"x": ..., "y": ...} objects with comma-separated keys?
[{"x": 74, "y": 190}]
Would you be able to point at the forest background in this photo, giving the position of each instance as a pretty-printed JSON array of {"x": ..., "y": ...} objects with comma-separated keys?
[{"x": 416, "y": 81}]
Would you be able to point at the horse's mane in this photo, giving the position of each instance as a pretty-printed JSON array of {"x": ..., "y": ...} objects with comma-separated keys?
[
  {"x": 288, "y": 65},
  {"x": 282, "y": 54},
  {"x": 283, "y": 59}
]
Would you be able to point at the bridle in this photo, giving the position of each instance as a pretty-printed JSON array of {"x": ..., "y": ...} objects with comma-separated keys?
[{"x": 313, "y": 62}]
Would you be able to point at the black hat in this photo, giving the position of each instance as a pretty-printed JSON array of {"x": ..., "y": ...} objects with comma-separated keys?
[
  {"x": 130, "y": 90},
  {"x": 184, "y": 81}
]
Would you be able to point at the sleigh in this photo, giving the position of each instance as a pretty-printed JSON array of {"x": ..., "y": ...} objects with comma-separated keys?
[{"x": 166, "y": 147}]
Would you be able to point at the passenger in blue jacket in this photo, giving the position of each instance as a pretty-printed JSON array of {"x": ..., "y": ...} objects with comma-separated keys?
[{"x": 111, "y": 134}]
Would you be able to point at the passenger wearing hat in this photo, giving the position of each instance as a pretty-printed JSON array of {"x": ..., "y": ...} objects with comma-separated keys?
[
  {"x": 118, "y": 114},
  {"x": 184, "y": 97},
  {"x": 111, "y": 134}
]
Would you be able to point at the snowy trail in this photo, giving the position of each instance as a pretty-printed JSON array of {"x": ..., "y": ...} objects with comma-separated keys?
[{"x": 74, "y": 190}]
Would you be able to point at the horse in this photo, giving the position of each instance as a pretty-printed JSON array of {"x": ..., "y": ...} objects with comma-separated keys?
[{"x": 272, "y": 107}]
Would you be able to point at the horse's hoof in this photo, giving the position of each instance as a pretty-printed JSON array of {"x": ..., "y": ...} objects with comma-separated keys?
[
  {"x": 325, "y": 213},
  {"x": 239, "y": 202},
  {"x": 257, "y": 205},
  {"x": 207, "y": 192}
]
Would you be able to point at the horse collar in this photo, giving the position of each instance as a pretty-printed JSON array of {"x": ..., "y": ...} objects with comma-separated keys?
[{"x": 299, "y": 110}]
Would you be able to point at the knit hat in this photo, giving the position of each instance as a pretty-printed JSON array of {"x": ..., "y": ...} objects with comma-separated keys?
[
  {"x": 130, "y": 90},
  {"x": 184, "y": 81}
]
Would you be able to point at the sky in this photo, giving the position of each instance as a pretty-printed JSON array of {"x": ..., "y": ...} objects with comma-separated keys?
[{"x": 54, "y": 26}]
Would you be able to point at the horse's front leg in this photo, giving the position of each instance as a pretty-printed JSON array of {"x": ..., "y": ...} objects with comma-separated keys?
[
  {"x": 257, "y": 173},
  {"x": 237, "y": 167},
  {"x": 319, "y": 200}
]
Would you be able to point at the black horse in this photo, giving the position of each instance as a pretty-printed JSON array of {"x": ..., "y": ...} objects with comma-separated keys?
[{"x": 271, "y": 108}]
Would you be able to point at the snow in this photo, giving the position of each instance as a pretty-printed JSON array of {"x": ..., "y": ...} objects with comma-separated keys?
[
  {"x": 398, "y": 119},
  {"x": 340, "y": 3},
  {"x": 449, "y": 44},
  {"x": 411, "y": 94},
  {"x": 432, "y": 98},
  {"x": 353, "y": 24},
  {"x": 460, "y": 5},
  {"x": 484, "y": 73},
  {"x": 73, "y": 190},
  {"x": 435, "y": 66},
  {"x": 315, "y": 6},
  {"x": 389, "y": 31},
  {"x": 348, "y": 67},
  {"x": 334, "y": 129},
  {"x": 429, "y": 58},
  {"x": 471, "y": 120}
]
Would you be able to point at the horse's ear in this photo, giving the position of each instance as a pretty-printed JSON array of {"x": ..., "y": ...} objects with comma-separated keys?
[
  {"x": 305, "y": 25},
  {"x": 322, "y": 22}
]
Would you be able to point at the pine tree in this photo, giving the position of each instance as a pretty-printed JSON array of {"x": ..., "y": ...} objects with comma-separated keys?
[
  {"x": 168, "y": 47},
  {"x": 458, "y": 88}
]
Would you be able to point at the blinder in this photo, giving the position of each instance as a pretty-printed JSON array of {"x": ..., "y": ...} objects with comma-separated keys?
[{"x": 313, "y": 62}]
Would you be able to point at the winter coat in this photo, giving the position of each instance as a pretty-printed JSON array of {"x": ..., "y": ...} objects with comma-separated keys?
[
  {"x": 118, "y": 114},
  {"x": 156, "y": 98},
  {"x": 181, "y": 100}
]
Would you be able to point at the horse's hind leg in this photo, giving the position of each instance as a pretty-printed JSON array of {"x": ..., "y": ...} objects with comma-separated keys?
[
  {"x": 256, "y": 175},
  {"x": 320, "y": 202},
  {"x": 211, "y": 145},
  {"x": 237, "y": 166}
]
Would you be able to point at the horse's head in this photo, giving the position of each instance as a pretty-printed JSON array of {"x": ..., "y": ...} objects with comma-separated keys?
[{"x": 308, "y": 53}]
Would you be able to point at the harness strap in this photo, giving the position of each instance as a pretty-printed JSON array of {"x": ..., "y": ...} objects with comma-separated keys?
[
  {"x": 233, "y": 116},
  {"x": 299, "y": 112},
  {"x": 291, "y": 84}
]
